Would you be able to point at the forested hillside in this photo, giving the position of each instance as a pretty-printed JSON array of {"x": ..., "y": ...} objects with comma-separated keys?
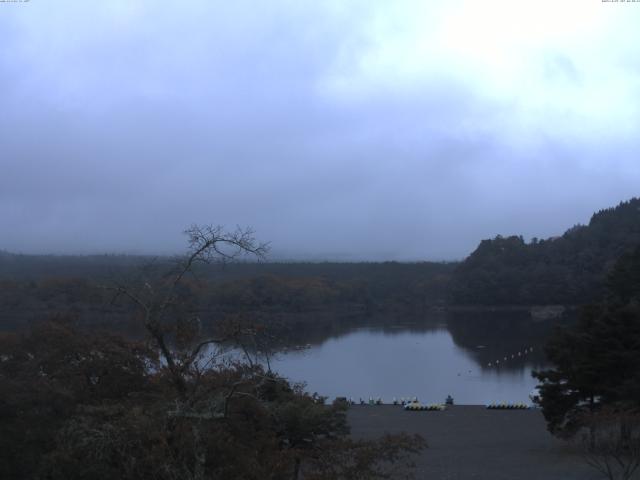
[
  {"x": 34, "y": 287},
  {"x": 569, "y": 269}
]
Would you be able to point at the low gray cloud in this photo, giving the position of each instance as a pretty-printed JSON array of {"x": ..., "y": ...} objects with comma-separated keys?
[{"x": 350, "y": 132}]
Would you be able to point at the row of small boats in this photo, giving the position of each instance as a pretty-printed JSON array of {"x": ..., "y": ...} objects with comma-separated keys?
[
  {"x": 414, "y": 405},
  {"x": 508, "y": 406},
  {"x": 431, "y": 407},
  {"x": 440, "y": 407}
]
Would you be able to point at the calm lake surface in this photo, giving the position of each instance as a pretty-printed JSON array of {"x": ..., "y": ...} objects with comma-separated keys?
[{"x": 429, "y": 360}]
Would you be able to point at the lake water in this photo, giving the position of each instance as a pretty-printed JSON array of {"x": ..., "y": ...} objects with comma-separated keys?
[{"x": 474, "y": 360}]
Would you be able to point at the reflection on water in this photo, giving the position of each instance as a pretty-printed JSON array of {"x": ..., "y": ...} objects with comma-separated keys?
[{"x": 429, "y": 359}]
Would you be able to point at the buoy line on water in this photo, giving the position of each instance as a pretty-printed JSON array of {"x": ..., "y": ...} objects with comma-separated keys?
[{"x": 513, "y": 356}]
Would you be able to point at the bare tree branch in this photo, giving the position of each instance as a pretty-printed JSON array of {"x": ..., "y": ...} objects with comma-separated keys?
[{"x": 206, "y": 244}]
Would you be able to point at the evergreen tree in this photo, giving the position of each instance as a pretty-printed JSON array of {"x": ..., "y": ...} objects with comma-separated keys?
[{"x": 597, "y": 362}]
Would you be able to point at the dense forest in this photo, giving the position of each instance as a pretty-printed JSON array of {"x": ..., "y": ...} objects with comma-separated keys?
[
  {"x": 565, "y": 270},
  {"x": 569, "y": 269},
  {"x": 35, "y": 286},
  {"x": 596, "y": 362},
  {"x": 591, "y": 392}
]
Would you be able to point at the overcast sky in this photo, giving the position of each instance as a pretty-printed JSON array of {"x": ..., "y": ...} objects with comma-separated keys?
[{"x": 400, "y": 129}]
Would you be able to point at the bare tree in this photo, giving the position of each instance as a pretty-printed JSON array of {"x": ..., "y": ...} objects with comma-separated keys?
[
  {"x": 201, "y": 402},
  {"x": 157, "y": 297},
  {"x": 612, "y": 443},
  {"x": 160, "y": 306}
]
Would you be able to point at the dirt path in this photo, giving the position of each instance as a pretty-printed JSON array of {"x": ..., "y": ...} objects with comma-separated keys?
[{"x": 471, "y": 442}]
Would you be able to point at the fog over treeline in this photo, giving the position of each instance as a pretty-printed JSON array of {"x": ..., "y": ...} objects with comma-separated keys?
[{"x": 365, "y": 130}]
